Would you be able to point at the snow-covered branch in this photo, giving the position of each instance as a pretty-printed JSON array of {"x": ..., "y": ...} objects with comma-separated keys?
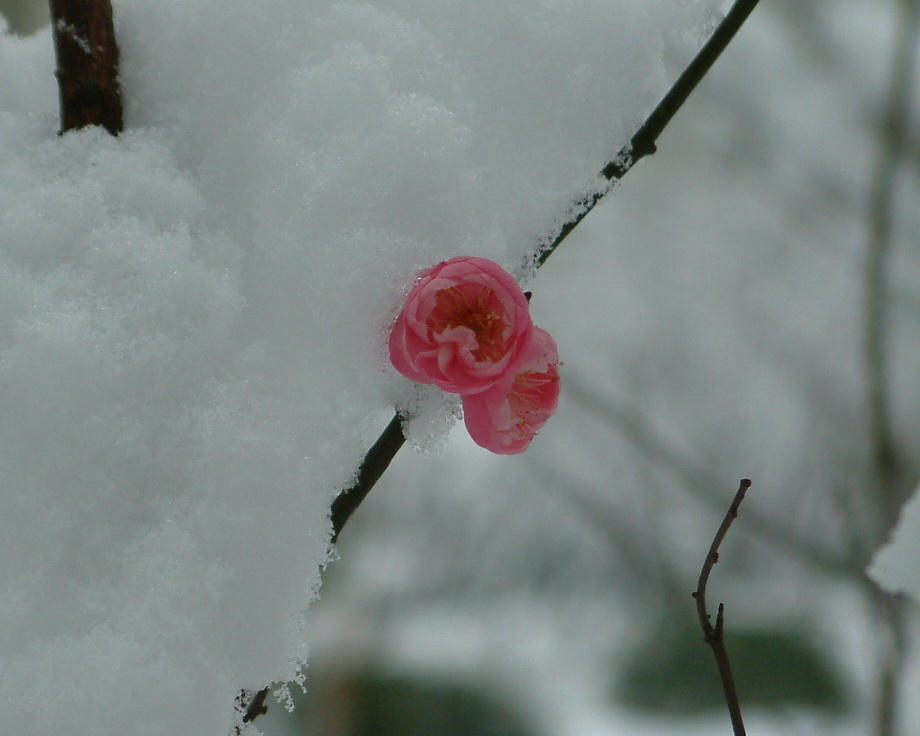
[{"x": 643, "y": 143}]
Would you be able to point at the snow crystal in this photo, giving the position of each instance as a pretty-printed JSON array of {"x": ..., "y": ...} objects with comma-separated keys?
[{"x": 193, "y": 314}]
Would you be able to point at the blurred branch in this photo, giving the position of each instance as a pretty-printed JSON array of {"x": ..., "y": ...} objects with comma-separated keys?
[
  {"x": 894, "y": 642},
  {"x": 630, "y": 543},
  {"x": 87, "y": 64},
  {"x": 616, "y": 530},
  {"x": 714, "y": 634},
  {"x": 700, "y": 482},
  {"x": 642, "y": 144},
  {"x": 885, "y": 465},
  {"x": 808, "y": 22}
]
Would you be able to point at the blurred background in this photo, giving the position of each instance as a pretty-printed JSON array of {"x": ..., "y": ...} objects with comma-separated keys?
[{"x": 745, "y": 304}]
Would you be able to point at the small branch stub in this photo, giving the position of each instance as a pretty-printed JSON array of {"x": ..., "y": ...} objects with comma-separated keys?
[
  {"x": 87, "y": 64},
  {"x": 256, "y": 707},
  {"x": 713, "y": 635},
  {"x": 251, "y": 706}
]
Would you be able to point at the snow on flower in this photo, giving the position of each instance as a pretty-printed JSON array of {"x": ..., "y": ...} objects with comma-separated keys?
[
  {"x": 506, "y": 417},
  {"x": 465, "y": 326}
]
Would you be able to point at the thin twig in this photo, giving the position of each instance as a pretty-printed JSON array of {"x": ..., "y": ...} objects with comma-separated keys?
[
  {"x": 642, "y": 144},
  {"x": 87, "y": 64},
  {"x": 645, "y": 141},
  {"x": 713, "y": 635}
]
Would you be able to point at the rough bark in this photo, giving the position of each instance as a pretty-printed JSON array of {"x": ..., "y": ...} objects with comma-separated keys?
[{"x": 87, "y": 64}]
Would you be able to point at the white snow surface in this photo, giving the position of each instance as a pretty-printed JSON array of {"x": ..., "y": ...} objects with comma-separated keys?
[
  {"x": 193, "y": 314},
  {"x": 896, "y": 566}
]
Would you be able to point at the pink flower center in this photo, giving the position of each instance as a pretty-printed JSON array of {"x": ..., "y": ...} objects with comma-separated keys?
[{"x": 475, "y": 307}]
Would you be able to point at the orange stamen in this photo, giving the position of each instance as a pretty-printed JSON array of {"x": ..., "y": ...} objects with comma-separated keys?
[{"x": 468, "y": 306}]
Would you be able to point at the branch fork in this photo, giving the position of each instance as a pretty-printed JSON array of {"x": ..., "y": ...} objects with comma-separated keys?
[{"x": 714, "y": 635}]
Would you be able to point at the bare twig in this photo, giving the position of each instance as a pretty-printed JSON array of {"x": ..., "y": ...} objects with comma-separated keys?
[
  {"x": 714, "y": 634},
  {"x": 642, "y": 144},
  {"x": 87, "y": 64}
]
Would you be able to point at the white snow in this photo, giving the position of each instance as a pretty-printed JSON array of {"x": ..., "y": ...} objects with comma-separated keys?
[
  {"x": 192, "y": 315},
  {"x": 896, "y": 565}
]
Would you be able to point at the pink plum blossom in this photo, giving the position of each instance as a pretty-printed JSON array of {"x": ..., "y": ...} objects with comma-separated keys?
[
  {"x": 505, "y": 418},
  {"x": 465, "y": 326}
]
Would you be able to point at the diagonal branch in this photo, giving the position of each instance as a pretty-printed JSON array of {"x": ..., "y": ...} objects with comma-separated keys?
[
  {"x": 87, "y": 64},
  {"x": 645, "y": 141},
  {"x": 377, "y": 460},
  {"x": 642, "y": 144}
]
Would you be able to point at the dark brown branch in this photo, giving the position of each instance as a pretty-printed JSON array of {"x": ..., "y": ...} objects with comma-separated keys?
[
  {"x": 87, "y": 64},
  {"x": 377, "y": 460},
  {"x": 713, "y": 635},
  {"x": 641, "y": 145}
]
